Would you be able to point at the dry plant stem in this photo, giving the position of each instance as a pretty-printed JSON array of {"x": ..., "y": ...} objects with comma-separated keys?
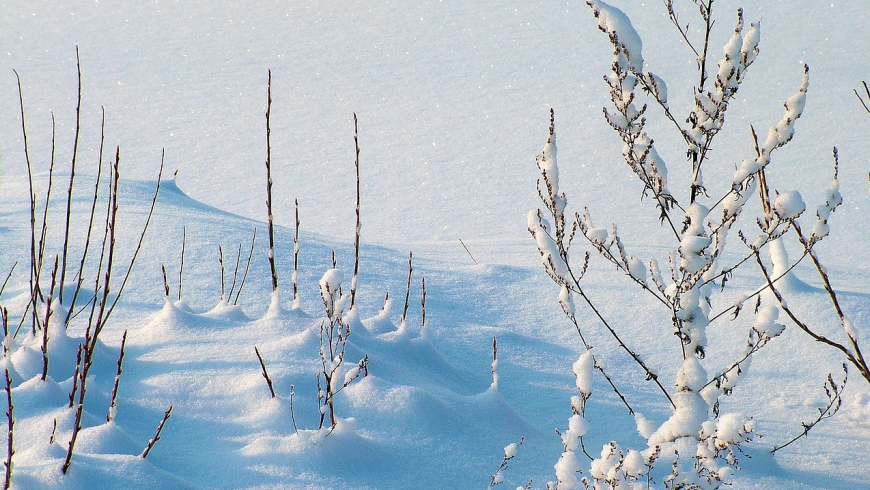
[
  {"x": 292, "y": 413},
  {"x": 860, "y": 99},
  {"x": 855, "y": 359},
  {"x": 423, "y": 306},
  {"x": 650, "y": 375},
  {"x": 72, "y": 393},
  {"x": 43, "y": 233},
  {"x": 72, "y": 175},
  {"x": 621, "y": 265},
  {"x": 221, "y": 262},
  {"x": 408, "y": 285},
  {"x": 235, "y": 274},
  {"x": 141, "y": 236},
  {"x": 156, "y": 438},
  {"x": 8, "y": 276},
  {"x": 181, "y": 268},
  {"x": 10, "y": 420},
  {"x": 599, "y": 366},
  {"x": 706, "y": 11},
  {"x": 114, "y": 405},
  {"x": 247, "y": 267},
  {"x": 296, "y": 254},
  {"x": 33, "y": 279},
  {"x": 469, "y": 251},
  {"x": 503, "y": 466},
  {"x": 835, "y": 401},
  {"x": 722, "y": 374},
  {"x": 494, "y": 361},
  {"x": 4, "y": 317},
  {"x": 572, "y": 280},
  {"x": 269, "y": 185},
  {"x": 165, "y": 281},
  {"x": 90, "y": 221},
  {"x": 357, "y": 229},
  {"x": 859, "y": 361},
  {"x": 265, "y": 373},
  {"x": 95, "y": 325},
  {"x": 36, "y": 291},
  {"x": 45, "y": 323},
  {"x": 669, "y": 4}
]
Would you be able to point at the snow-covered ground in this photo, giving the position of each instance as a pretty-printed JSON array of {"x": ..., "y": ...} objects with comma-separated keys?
[{"x": 453, "y": 103}]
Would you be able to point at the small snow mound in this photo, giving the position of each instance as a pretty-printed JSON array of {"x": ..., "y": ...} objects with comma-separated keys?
[
  {"x": 305, "y": 441},
  {"x": 789, "y": 205},
  {"x": 373, "y": 393},
  {"x": 226, "y": 312},
  {"x": 107, "y": 438}
]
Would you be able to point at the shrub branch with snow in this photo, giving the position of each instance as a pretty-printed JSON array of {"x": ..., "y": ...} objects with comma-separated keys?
[{"x": 697, "y": 445}]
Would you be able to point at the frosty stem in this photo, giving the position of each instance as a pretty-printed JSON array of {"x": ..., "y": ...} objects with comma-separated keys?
[
  {"x": 113, "y": 406},
  {"x": 357, "y": 228},
  {"x": 72, "y": 175},
  {"x": 10, "y": 421},
  {"x": 269, "y": 185},
  {"x": 156, "y": 437}
]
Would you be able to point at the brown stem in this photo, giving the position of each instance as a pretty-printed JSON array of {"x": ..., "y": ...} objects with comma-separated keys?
[
  {"x": 247, "y": 267},
  {"x": 265, "y": 373},
  {"x": 72, "y": 175},
  {"x": 357, "y": 229},
  {"x": 45, "y": 323},
  {"x": 269, "y": 185},
  {"x": 156, "y": 437},
  {"x": 90, "y": 222},
  {"x": 113, "y": 407},
  {"x": 408, "y": 286},
  {"x": 10, "y": 419}
]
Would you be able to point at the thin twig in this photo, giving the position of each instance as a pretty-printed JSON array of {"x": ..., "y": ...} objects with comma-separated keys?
[
  {"x": 90, "y": 222},
  {"x": 292, "y": 414},
  {"x": 296, "y": 255},
  {"x": 265, "y": 373},
  {"x": 113, "y": 407},
  {"x": 235, "y": 274},
  {"x": 33, "y": 273},
  {"x": 221, "y": 262},
  {"x": 247, "y": 267},
  {"x": 45, "y": 323},
  {"x": 10, "y": 420},
  {"x": 834, "y": 392},
  {"x": 181, "y": 268},
  {"x": 357, "y": 229},
  {"x": 408, "y": 286},
  {"x": 156, "y": 438},
  {"x": 165, "y": 282},
  {"x": 8, "y": 276},
  {"x": 469, "y": 251},
  {"x": 141, "y": 236},
  {"x": 861, "y": 100},
  {"x": 75, "y": 379},
  {"x": 423, "y": 306},
  {"x": 72, "y": 176},
  {"x": 269, "y": 185}
]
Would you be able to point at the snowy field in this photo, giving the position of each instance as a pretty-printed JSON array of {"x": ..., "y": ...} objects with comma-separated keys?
[{"x": 453, "y": 100}]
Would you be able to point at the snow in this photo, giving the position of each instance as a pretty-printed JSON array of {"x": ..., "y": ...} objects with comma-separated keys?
[
  {"x": 453, "y": 100},
  {"x": 789, "y": 205}
]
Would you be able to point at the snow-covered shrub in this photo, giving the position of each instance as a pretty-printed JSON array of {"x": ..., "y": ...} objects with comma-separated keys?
[
  {"x": 334, "y": 334},
  {"x": 697, "y": 446}
]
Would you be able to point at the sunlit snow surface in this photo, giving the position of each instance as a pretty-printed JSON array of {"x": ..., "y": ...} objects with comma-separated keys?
[{"x": 453, "y": 101}]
